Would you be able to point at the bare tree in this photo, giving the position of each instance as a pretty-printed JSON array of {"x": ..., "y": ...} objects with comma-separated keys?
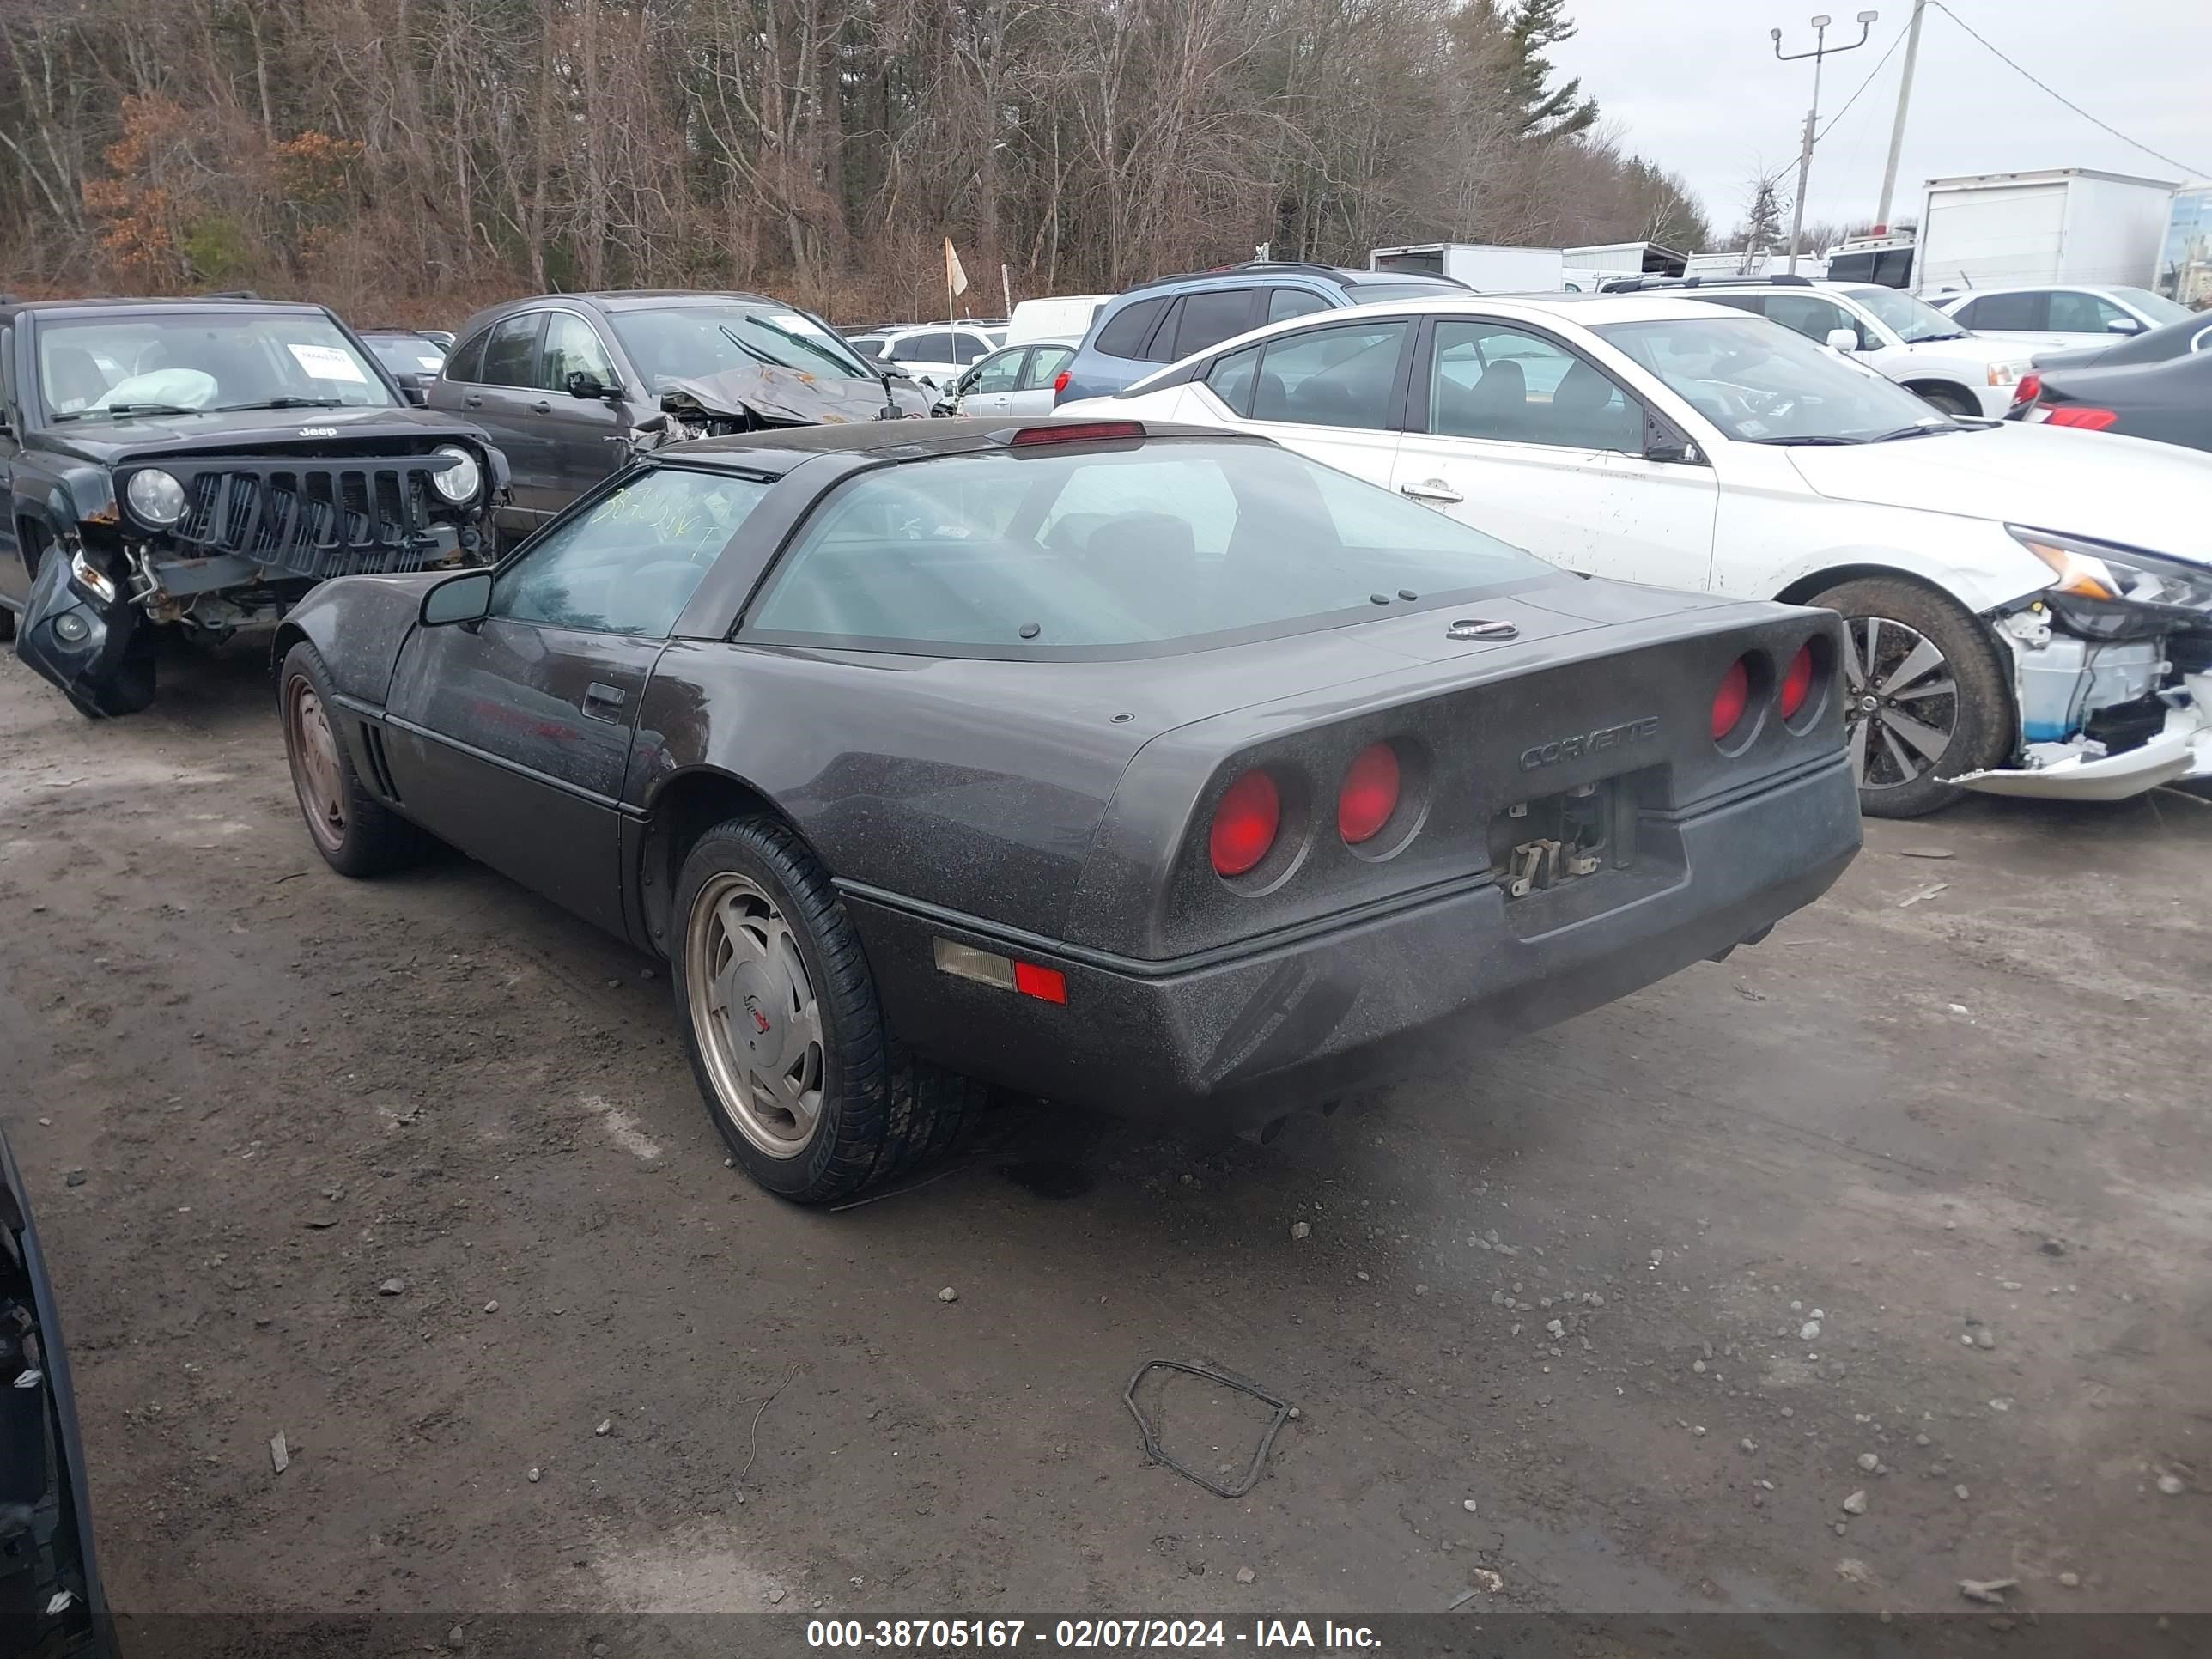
[{"x": 410, "y": 158}]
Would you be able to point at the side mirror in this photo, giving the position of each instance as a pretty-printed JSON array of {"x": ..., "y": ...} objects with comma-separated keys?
[
  {"x": 415, "y": 394},
  {"x": 587, "y": 386},
  {"x": 463, "y": 599},
  {"x": 1843, "y": 339},
  {"x": 2123, "y": 326}
]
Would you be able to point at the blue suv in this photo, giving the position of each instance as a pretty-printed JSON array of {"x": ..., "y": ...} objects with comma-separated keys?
[{"x": 1165, "y": 321}]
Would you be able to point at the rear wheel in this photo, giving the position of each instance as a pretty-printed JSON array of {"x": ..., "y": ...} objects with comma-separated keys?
[
  {"x": 809, "y": 1088},
  {"x": 356, "y": 833},
  {"x": 1925, "y": 694}
]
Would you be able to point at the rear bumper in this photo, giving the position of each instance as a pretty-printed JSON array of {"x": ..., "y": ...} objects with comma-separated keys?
[{"x": 1247, "y": 1036}]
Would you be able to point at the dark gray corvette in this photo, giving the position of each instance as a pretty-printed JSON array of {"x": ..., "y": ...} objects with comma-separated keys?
[{"x": 1163, "y": 771}]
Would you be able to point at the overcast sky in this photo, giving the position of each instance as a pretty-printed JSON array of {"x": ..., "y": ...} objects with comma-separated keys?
[{"x": 1695, "y": 88}]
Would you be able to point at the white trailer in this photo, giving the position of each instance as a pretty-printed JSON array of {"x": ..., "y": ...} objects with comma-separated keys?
[
  {"x": 2033, "y": 229},
  {"x": 1484, "y": 267},
  {"x": 1772, "y": 263},
  {"x": 1629, "y": 258}
]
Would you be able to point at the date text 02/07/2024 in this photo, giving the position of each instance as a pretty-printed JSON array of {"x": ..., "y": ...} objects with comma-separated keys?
[{"x": 946, "y": 1635}]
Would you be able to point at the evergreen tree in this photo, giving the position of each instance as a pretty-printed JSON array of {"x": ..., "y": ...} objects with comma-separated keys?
[{"x": 1546, "y": 111}]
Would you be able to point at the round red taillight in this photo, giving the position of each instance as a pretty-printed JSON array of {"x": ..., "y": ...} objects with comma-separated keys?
[
  {"x": 1370, "y": 795},
  {"x": 1245, "y": 823},
  {"x": 1731, "y": 699},
  {"x": 1797, "y": 682},
  {"x": 1060, "y": 382}
]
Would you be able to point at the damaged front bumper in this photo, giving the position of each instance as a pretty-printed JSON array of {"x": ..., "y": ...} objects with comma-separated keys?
[
  {"x": 2082, "y": 769},
  {"x": 2110, "y": 703}
]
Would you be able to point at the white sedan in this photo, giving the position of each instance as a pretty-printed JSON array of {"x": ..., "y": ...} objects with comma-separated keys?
[
  {"x": 1959, "y": 370},
  {"x": 2030, "y": 609},
  {"x": 933, "y": 354},
  {"x": 2070, "y": 316}
]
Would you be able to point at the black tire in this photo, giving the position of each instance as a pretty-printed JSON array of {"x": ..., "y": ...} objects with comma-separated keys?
[
  {"x": 874, "y": 1111},
  {"x": 6, "y": 624},
  {"x": 1977, "y": 712},
  {"x": 356, "y": 833},
  {"x": 1950, "y": 399}
]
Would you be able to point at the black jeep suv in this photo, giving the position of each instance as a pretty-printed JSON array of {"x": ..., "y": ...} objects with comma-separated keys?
[{"x": 203, "y": 463}]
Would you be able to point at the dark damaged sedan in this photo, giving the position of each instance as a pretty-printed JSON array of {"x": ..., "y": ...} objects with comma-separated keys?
[{"x": 1162, "y": 771}]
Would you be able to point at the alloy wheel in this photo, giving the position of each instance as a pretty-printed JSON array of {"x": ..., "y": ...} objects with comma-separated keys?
[
  {"x": 1902, "y": 706},
  {"x": 318, "y": 776},
  {"x": 754, "y": 1010}
]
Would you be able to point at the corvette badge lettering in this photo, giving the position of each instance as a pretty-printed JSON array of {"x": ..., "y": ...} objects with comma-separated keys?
[{"x": 1589, "y": 743}]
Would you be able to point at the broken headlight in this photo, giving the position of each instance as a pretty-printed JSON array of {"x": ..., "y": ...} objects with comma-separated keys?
[
  {"x": 156, "y": 497},
  {"x": 2111, "y": 593}
]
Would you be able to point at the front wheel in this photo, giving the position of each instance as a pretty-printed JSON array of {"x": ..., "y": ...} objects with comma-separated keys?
[
  {"x": 1926, "y": 694},
  {"x": 1951, "y": 401},
  {"x": 809, "y": 1088},
  {"x": 356, "y": 833}
]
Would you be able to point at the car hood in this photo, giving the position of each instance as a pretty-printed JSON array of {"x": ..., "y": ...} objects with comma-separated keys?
[
  {"x": 2126, "y": 490},
  {"x": 2075, "y": 356},
  {"x": 1980, "y": 347},
  {"x": 259, "y": 429}
]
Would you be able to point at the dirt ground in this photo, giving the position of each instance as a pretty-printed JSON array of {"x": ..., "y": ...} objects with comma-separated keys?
[{"x": 1961, "y": 1101}]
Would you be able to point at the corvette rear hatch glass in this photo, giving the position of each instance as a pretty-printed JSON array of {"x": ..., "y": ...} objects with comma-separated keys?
[{"x": 1169, "y": 545}]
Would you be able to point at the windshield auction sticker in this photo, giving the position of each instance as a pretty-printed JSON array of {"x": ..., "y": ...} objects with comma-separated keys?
[{"x": 327, "y": 362}]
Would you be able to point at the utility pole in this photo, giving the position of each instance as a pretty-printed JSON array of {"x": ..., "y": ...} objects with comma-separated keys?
[
  {"x": 1821, "y": 49},
  {"x": 1897, "y": 129}
]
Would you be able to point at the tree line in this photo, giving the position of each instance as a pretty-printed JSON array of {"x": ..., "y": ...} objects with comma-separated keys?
[{"x": 405, "y": 160}]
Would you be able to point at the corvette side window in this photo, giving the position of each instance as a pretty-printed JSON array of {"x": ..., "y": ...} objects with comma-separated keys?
[{"x": 629, "y": 563}]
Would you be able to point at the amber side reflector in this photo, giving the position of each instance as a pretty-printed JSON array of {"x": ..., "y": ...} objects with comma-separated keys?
[{"x": 1003, "y": 973}]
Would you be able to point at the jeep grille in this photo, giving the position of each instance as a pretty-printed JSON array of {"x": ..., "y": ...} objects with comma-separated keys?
[{"x": 318, "y": 520}]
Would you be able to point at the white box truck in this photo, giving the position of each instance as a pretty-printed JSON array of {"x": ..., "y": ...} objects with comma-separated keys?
[
  {"x": 2033, "y": 229},
  {"x": 1483, "y": 268}
]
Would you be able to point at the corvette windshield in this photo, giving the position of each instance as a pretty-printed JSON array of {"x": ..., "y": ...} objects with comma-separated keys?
[
  {"x": 1015, "y": 553},
  {"x": 99, "y": 368},
  {"x": 1762, "y": 384}
]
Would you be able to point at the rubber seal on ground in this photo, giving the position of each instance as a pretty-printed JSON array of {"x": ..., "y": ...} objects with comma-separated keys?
[{"x": 1158, "y": 1454}]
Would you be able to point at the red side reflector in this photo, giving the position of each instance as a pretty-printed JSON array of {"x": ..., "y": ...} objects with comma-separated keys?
[
  {"x": 1731, "y": 700},
  {"x": 2080, "y": 415},
  {"x": 1077, "y": 432},
  {"x": 1060, "y": 381},
  {"x": 1369, "y": 794},
  {"x": 1797, "y": 682},
  {"x": 2029, "y": 389},
  {"x": 1045, "y": 984},
  {"x": 1245, "y": 823}
]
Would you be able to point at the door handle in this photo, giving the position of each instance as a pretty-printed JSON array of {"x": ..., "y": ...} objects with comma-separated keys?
[
  {"x": 541, "y": 407},
  {"x": 1435, "y": 490},
  {"x": 603, "y": 702},
  {"x": 473, "y": 401}
]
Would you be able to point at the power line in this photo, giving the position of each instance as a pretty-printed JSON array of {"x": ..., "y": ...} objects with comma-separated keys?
[
  {"x": 1863, "y": 85},
  {"x": 2135, "y": 143}
]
